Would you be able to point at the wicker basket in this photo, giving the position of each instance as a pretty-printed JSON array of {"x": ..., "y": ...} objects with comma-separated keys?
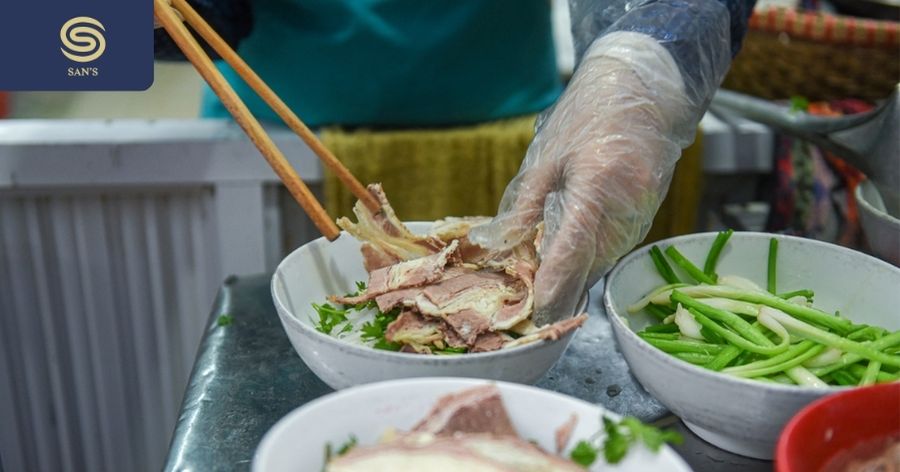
[{"x": 818, "y": 56}]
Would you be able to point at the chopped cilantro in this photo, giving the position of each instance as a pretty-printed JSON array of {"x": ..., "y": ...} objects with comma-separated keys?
[
  {"x": 224, "y": 320},
  {"x": 619, "y": 437},
  {"x": 450, "y": 350},
  {"x": 360, "y": 289},
  {"x": 584, "y": 454},
  {"x": 329, "y": 317},
  {"x": 345, "y": 448},
  {"x": 349, "y": 444},
  {"x": 376, "y": 329}
]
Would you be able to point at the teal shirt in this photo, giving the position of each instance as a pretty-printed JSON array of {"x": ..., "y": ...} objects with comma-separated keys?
[{"x": 399, "y": 63}]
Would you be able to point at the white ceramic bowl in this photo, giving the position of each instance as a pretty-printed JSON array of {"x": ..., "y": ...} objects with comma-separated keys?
[
  {"x": 739, "y": 415},
  {"x": 321, "y": 268},
  {"x": 367, "y": 411},
  {"x": 881, "y": 229}
]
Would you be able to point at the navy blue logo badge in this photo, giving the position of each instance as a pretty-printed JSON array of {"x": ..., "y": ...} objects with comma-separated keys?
[{"x": 76, "y": 45}]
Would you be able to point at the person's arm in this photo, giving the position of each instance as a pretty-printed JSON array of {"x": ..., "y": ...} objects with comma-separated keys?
[
  {"x": 602, "y": 159},
  {"x": 232, "y": 19}
]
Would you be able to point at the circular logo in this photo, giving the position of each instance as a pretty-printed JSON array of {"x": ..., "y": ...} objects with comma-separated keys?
[{"x": 82, "y": 39}]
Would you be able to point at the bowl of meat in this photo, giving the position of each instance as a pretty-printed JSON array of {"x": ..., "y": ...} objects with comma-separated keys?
[
  {"x": 451, "y": 424},
  {"x": 736, "y": 332},
  {"x": 389, "y": 300}
]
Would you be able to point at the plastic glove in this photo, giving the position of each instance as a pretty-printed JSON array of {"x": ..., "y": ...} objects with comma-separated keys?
[{"x": 602, "y": 159}]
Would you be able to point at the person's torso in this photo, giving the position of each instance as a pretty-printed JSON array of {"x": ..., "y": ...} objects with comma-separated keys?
[{"x": 400, "y": 62}]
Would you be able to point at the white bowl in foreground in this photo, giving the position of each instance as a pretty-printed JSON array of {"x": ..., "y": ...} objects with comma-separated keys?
[
  {"x": 739, "y": 415},
  {"x": 322, "y": 268},
  {"x": 367, "y": 411}
]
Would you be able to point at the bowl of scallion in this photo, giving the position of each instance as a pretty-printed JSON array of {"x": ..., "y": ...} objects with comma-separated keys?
[{"x": 736, "y": 331}]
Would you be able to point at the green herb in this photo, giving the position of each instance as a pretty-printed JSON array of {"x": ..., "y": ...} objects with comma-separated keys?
[
  {"x": 662, "y": 266},
  {"x": 450, "y": 350},
  {"x": 584, "y": 454},
  {"x": 376, "y": 329},
  {"x": 345, "y": 448},
  {"x": 806, "y": 293},
  {"x": 709, "y": 267},
  {"x": 773, "y": 263},
  {"x": 349, "y": 444},
  {"x": 329, "y": 317},
  {"x": 738, "y": 345},
  {"x": 799, "y": 103},
  {"x": 619, "y": 437},
  {"x": 360, "y": 289},
  {"x": 689, "y": 266},
  {"x": 225, "y": 320},
  {"x": 658, "y": 312}
]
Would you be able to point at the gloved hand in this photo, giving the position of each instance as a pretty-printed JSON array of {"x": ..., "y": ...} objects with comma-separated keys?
[{"x": 602, "y": 159}]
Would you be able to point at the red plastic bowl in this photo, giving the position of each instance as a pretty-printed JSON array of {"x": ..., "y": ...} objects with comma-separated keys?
[{"x": 836, "y": 423}]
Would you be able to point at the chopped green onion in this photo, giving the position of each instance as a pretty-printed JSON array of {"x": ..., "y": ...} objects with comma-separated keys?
[
  {"x": 871, "y": 373},
  {"x": 658, "y": 311},
  {"x": 736, "y": 339},
  {"x": 830, "y": 339},
  {"x": 663, "y": 267},
  {"x": 689, "y": 266},
  {"x": 773, "y": 261},
  {"x": 671, "y": 346},
  {"x": 709, "y": 268},
  {"x": 737, "y": 323},
  {"x": 695, "y": 358},
  {"x": 723, "y": 358},
  {"x": 806, "y": 293},
  {"x": 661, "y": 328}
]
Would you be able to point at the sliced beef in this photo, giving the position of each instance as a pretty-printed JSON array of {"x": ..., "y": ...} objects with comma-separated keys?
[
  {"x": 449, "y": 229},
  {"x": 475, "y": 410},
  {"x": 550, "y": 332},
  {"x": 413, "y": 329},
  {"x": 490, "y": 341},
  {"x": 374, "y": 258},
  {"x": 388, "y": 238},
  {"x": 481, "y": 452},
  {"x": 467, "y": 430},
  {"x": 412, "y": 273},
  {"x": 447, "y": 290},
  {"x": 461, "y": 294},
  {"x": 512, "y": 314},
  {"x": 564, "y": 433},
  {"x": 468, "y": 325},
  {"x": 407, "y": 297}
]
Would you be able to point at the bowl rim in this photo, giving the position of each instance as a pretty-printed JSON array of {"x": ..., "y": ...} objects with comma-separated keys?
[
  {"x": 880, "y": 214},
  {"x": 457, "y": 382},
  {"x": 581, "y": 307},
  {"x": 660, "y": 356}
]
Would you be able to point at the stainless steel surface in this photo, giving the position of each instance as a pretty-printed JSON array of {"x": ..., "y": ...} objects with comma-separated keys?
[
  {"x": 247, "y": 376},
  {"x": 868, "y": 141}
]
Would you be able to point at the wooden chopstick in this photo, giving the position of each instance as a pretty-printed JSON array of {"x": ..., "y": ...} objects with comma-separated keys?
[
  {"x": 268, "y": 95},
  {"x": 204, "y": 65}
]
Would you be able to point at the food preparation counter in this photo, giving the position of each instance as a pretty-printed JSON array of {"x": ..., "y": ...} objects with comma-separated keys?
[{"x": 247, "y": 376}]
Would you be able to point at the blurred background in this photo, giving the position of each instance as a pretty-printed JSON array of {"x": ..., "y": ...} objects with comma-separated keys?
[{"x": 122, "y": 213}]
